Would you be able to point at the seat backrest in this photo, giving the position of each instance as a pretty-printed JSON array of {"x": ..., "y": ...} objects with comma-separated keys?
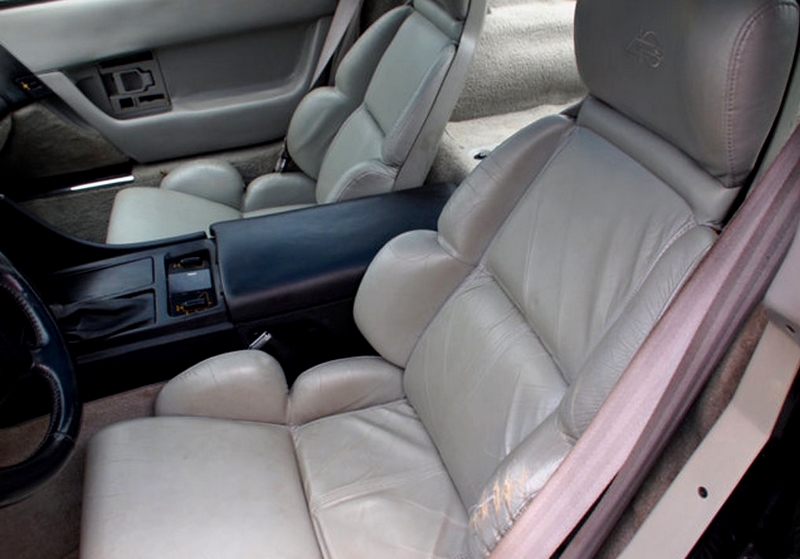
[
  {"x": 557, "y": 255},
  {"x": 377, "y": 128}
]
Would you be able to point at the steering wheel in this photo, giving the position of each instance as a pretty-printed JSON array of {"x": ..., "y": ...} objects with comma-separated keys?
[{"x": 43, "y": 354}]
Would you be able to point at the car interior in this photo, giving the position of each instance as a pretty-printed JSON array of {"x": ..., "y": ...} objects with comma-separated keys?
[
  {"x": 375, "y": 131},
  {"x": 431, "y": 320}
]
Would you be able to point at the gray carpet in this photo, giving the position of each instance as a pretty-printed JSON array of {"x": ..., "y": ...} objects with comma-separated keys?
[
  {"x": 524, "y": 69},
  {"x": 525, "y": 58},
  {"x": 464, "y": 140},
  {"x": 83, "y": 214},
  {"x": 47, "y": 525},
  {"x": 41, "y": 143}
]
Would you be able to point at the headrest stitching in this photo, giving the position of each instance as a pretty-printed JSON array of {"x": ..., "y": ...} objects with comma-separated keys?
[{"x": 734, "y": 72}]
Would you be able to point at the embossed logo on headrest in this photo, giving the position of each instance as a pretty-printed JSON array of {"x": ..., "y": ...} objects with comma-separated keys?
[{"x": 647, "y": 49}]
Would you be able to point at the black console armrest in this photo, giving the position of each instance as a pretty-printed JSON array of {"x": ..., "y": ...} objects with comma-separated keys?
[{"x": 288, "y": 261}]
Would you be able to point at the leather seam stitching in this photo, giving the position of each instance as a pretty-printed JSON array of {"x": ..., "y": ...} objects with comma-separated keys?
[
  {"x": 351, "y": 412},
  {"x": 358, "y": 489},
  {"x": 690, "y": 224},
  {"x": 300, "y": 474},
  {"x": 733, "y": 77}
]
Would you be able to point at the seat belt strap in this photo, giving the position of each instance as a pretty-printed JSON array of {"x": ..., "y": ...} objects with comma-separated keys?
[
  {"x": 346, "y": 14},
  {"x": 664, "y": 376}
]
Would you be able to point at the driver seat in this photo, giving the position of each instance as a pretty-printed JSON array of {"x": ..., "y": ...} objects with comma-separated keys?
[{"x": 499, "y": 336}]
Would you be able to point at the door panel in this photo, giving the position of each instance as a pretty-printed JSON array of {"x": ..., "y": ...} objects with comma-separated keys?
[
  {"x": 71, "y": 32},
  {"x": 163, "y": 79}
]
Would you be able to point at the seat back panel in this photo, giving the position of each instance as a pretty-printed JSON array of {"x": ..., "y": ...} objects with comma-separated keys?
[
  {"x": 581, "y": 242},
  {"x": 358, "y": 140},
  {"x": 321, "y": 113},
  {"x": 572, "y": 282},
  {"x": 377, "y": 137},
  {"x": 403, "y": 68}
]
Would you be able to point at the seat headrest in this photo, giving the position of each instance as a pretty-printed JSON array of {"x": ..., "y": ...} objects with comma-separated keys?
[{"x": 706, "y": 75}]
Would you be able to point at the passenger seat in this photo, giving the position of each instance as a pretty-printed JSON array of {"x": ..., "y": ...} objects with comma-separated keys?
[{"x": 376, "y": 130}]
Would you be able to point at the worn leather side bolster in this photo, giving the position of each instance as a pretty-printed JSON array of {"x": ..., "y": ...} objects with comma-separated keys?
[
  {"x": 403, "y": 289},
  {"x": 342, "y": 386},
  {"x": 514, "y": 484},
  {"x": 211, "y": 179},
  {"x": 243, "y": 385},
  {"x": 279, "y": 189}
]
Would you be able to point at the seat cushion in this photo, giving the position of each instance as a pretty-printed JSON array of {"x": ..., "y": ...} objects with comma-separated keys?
[
  {"x": 279, "y": 189},
  {"x": 376, "y": 486},
  {"x": 362, "y": 482},
  {"x": 143, "y": 214},
  {"x": 194, "y": 487}
]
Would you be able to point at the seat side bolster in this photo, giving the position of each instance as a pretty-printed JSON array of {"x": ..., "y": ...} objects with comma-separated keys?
[
  {"x": 344, "y": 385},
  {"x": 242, "y": 385},
  {"x": 315, "y": 124},
  {"x": 404, "y": 287},
  {"x": 514, "y": 484},
  {"x": 279, "y": 189},
  {"x": 211, "y": 179},
  {"x": 366, "y": 178}
]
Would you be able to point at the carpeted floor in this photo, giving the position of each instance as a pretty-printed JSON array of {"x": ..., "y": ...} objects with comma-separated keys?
[
  {"x": 47, "y": 525},
  {"x": 465, "y": 141},
  {"x": 525, "y": 58}
]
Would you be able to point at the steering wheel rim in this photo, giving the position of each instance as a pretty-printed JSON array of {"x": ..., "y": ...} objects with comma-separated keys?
[{"x": 50, "y": 360}]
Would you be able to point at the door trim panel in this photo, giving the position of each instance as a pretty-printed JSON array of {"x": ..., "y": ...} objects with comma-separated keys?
[
  {"x": 195, "y": 126},
  {"x": 71, "y": 32}
]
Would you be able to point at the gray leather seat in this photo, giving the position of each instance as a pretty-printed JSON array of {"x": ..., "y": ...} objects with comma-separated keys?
[
  {"x": 499, "y": 336},
  {"x": 376, "y": 130}
]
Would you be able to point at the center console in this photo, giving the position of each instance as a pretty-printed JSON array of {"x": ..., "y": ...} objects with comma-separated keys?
[
  {"x": 134, "y": 315},
  {"x": 137, "y": 318}
]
